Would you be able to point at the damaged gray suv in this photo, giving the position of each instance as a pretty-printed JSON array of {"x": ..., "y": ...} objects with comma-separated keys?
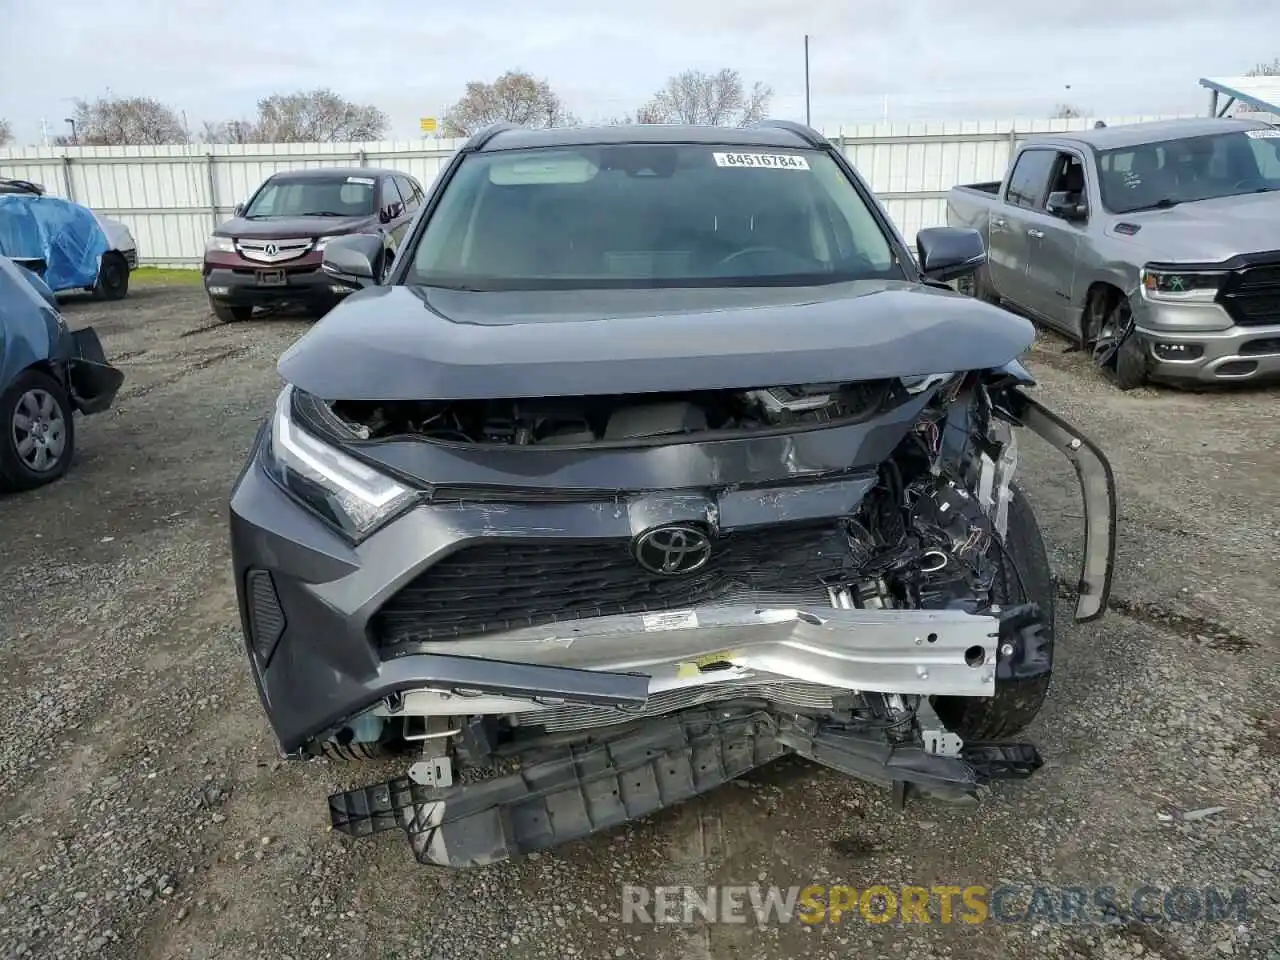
[{"x": 656, "y": 456}]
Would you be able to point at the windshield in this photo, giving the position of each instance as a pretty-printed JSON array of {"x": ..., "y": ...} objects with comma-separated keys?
[
  {"x": 646, "y": 215},
  {"x": 1153, "y": 175},
  {"x": 313, "y": 197}
]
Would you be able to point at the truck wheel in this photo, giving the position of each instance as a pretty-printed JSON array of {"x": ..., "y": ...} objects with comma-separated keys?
[
  {"x": 1022, "y": 576},
  {"x": 113, "y": 278},
  {"x": 39, "y": 433},
  {"x": 982, "y": 287},
  {"x": 229, "y": 314},
  {"x": 1116, "y": 348}
]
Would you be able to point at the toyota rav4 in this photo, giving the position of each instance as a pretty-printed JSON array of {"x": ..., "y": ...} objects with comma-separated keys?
[{"x": 656, "y": 456}]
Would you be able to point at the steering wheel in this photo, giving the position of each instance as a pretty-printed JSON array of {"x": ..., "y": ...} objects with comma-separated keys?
[{"x": 804, "y": 264}]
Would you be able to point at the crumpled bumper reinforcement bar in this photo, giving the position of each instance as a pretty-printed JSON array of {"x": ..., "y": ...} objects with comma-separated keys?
[{"x": 568, "y": 793}]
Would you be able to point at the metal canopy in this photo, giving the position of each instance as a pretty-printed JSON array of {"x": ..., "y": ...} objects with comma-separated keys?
[{"x": 1257, "y": 93}]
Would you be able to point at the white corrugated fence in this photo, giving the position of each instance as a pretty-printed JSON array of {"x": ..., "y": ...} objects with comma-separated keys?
[{"x": 172, "y": 197}]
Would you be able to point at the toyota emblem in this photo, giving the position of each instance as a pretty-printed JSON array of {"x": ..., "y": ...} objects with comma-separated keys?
[
  {"x": 673, "y": 550},
  {"x": 270, "y": 249}
]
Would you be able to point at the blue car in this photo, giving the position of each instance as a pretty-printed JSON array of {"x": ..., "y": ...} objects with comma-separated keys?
[
  {"x": 47, "y": 374},
  {"x": 80, "y": 249}
]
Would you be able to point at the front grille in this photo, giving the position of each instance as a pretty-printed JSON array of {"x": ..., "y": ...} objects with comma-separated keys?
[
  {"x": 1252, "y": 294},
  {"x": 504, "y": 585},
  {"x": 273, "y": 251}
]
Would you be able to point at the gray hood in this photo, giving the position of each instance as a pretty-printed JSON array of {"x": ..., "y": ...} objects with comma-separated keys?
[
  {"x": 401, "y": 343},
  {"x": 1208, "y": 231}
]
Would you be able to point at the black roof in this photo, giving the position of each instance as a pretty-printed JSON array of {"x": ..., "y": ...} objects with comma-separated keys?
[
  {"x": 329, "y": 173},
  {"x": 791, "y": 137}
]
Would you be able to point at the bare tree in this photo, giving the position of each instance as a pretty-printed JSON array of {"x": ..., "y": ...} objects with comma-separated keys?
[
  {"x": 110, "y": 121},
  {"x": 1271, "y": 69},
  {"x": 311, "y": 116},
  {"x": 515, "y": 97},
  {"x": 6, "y": 133},
  {"x": 719, "y": 99},
  {"x": 1067, "y": 111},
  {"x": 231, "y": 131}
]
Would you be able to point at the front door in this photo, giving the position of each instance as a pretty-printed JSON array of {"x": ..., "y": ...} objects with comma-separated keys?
[
  {"x": 1052, "y": 251},
  {"x": 1012, "y": 228}
]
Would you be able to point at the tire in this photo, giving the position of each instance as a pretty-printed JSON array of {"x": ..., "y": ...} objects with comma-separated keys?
[
  {"x": 358, "y": 752},
  {"x": 230, "y": 314},
  {"x": 1023, "y": 576},
  {"x": 982, "y": 287},
  {"x": 1109, "y": 318},
  {"x": 37, "y": 400},
  {"x": 113, "y": 278}
]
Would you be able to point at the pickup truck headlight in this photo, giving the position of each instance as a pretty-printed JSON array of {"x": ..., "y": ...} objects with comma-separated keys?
[
  {"x": 1181, "y": 286},
  {"x": 220, "y": 245},
  {"x": 348, "y": 493}
]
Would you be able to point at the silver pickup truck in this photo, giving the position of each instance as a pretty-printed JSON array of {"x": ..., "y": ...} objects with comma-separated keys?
[{"x": 1156, "y": 246}]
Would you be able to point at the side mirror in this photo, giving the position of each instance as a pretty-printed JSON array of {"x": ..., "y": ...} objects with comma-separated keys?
[
  {"x": 1065, "y": 205},
  {"x": 239, "y": 210},
  {"x": 350, "y": 259},
  {"x": 947, "y": 253}
]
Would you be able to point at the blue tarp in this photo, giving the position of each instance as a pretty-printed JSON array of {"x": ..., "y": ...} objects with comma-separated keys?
[{"x": 65, "y": 235}]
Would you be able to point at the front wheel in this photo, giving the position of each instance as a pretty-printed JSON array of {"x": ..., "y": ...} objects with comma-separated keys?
[
  {"x": 1022, "y": 576},
  {"x": 113, "y": 278},
  {"x": 39, "y": 432},
  {"x": 1117, "y": 347},
  {"x": 230, "y": 314}
]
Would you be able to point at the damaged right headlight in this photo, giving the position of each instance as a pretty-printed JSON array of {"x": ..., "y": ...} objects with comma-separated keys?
[{"x": 350, "y": 494}]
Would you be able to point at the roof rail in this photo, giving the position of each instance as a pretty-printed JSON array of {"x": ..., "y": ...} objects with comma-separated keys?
[
  {"x": 805, "y": 133},
  {"x": 478, "y": 139}
]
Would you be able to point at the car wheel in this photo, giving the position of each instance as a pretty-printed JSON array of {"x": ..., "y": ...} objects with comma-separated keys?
[
  {"x": 1022, "y": 576},
  {"x": 113, "y": 278},
  {"x": 1116, "y": 346},
  {"x": 230, "y": 314},
  {"x": 39, "y": 432}
]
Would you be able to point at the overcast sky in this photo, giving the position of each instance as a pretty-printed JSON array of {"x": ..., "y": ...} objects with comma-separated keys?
[{"x": 932, "y": 59}]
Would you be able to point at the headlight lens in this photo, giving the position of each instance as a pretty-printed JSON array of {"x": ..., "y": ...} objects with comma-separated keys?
[
  {"x": 220, "y": 245},
  {"x": 1181, "y": 286},
  {"x": 351, "y": 495},
  {"x": 320, "y": 244}
]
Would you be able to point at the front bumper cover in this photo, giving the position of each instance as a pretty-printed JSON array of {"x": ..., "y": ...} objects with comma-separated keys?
[{"x": 569, "y": 793}]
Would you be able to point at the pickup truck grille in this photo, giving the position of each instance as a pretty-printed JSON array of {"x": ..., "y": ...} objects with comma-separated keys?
[
  {"x": 504, "y": 585},
  {"x": 1252, "y": 295}
]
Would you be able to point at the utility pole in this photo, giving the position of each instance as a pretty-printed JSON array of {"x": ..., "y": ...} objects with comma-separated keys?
[
  {"x": 72, "y": 121},
  {"x": 806, "y": 80}
]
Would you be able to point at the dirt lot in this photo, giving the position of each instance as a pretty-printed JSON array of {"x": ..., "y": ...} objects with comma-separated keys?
[{"x": 144, "y": 812}]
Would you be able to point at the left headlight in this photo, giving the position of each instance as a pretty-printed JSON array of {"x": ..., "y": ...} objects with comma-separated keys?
[
  {"x": 348, "y": 493},
  {"x": 1170, "y": 285}
]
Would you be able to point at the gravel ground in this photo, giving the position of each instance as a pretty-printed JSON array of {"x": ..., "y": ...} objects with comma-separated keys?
[{"x": 145, "y": 813}]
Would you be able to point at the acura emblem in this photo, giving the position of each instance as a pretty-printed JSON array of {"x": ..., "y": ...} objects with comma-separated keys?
[
  {"x": 672, "y": 550},
  {"x": 270, "y": 249}
]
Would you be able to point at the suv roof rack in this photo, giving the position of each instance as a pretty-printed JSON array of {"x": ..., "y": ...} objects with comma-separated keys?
[
  {"x": 805, "y": 133},
  {"x": 478, "y": 139}
]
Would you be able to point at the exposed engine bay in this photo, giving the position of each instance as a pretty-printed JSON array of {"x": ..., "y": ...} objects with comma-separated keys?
[{"x": 568, "y": 421}]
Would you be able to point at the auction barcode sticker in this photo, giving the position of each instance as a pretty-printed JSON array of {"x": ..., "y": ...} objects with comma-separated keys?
[
  {"x": 670, "y": 620},
  {"x": 772, "y": 161},
  {"x": 1262, "y": 134}
]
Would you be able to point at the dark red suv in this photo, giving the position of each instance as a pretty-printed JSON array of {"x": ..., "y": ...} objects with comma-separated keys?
[{"x": 270, "y": 252}]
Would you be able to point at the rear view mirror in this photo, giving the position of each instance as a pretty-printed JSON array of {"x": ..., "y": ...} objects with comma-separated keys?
[
  {"x": 1066, "y": 205},
  {"x": 947, "y": 253},
  {"x": 350, "y": 259}
]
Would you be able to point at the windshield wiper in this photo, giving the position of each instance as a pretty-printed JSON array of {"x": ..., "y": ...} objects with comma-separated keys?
[
  {"x": 1162, "y": 204},
  {"x": 323, "y": 213}
]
